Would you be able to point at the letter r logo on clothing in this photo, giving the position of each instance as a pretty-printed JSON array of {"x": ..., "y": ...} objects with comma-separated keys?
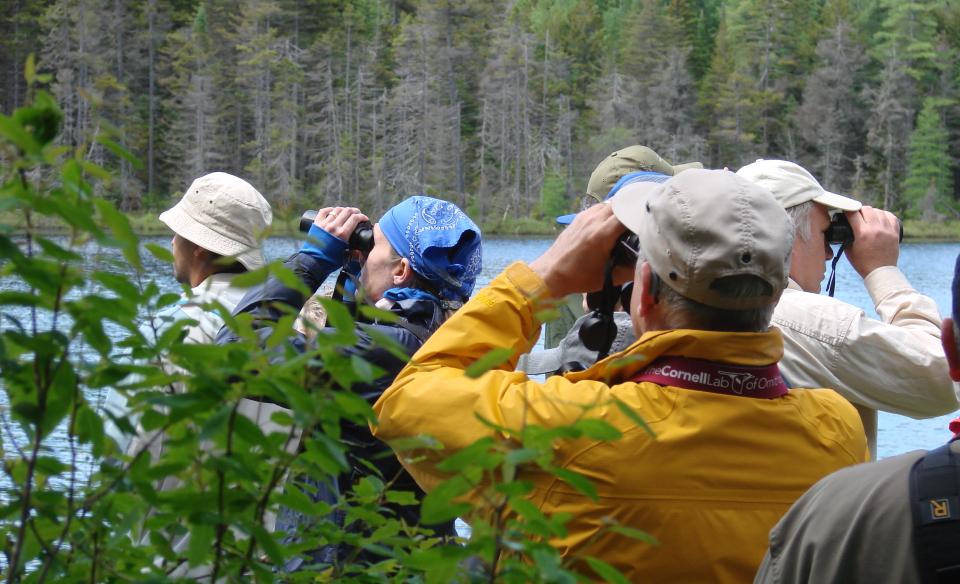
[{"x": 939, "y": 508}]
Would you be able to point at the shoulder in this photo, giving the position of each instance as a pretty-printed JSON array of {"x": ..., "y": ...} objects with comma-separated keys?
[
  {"x": 802, "y": 314},
  {"x": 832, "y": 417}
]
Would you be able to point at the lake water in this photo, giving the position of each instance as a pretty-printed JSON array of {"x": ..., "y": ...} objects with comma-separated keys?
[{"x": 929, "y": 266}]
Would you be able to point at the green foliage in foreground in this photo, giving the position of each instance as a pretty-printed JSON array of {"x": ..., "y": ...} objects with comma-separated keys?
[{"x": 76, "y": 508}]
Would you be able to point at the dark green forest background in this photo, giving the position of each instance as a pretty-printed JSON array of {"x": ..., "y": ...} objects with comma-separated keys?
[{"x": 501, "y": 106}]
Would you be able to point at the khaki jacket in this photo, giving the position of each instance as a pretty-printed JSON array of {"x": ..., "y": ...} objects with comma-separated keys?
[{"x": 720, "y": 473}]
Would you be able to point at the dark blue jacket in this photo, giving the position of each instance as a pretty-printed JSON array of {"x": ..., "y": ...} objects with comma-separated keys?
[{"x": 265, "y": 302}]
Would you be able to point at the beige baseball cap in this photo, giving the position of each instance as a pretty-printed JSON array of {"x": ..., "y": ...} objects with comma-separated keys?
[
  {"x": 626, "y": 160},
  {"x": 224, "y": 214},
  {"x": 702, "y": 226},
  {"x": 793, "y": 185}
]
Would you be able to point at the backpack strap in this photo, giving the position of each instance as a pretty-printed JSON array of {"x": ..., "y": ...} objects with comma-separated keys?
[
  {"x": 935, "y": 499},
  {"x": 416, "y": 330}
]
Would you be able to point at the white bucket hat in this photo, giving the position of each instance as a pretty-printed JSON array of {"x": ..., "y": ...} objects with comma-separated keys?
[
  {"x": 793, "y": 185},
  {"x": 223, "y": 214}
]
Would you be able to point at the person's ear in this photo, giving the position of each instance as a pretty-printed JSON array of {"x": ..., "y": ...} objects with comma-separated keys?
[
  {"x": 648, "y": 292},
  {"x": 948, "y": 338},
  {"x": 402, "y": 273}
]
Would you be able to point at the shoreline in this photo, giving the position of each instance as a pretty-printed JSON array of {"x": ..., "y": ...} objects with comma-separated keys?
[{"x": 147, "y": 224}]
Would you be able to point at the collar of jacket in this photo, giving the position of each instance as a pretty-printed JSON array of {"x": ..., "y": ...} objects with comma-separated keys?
[
  {"x": 425, "y": 312},
  {"x": 753, "y": 349}
]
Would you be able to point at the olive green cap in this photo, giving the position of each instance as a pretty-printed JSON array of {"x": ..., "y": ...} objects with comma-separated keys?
[{"x": 626, "y": 160}]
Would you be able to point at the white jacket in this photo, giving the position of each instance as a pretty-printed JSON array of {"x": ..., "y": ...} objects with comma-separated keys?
[{"x": 895, "y": 364}]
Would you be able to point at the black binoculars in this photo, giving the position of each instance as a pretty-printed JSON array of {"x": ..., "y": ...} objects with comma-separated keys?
[
  {"x": 839, "y": 231},
  {"x": 625, "y": 251},
  {"x": 360, "y": 240}
]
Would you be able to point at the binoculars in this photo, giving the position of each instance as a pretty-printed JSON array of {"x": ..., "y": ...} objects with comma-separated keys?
[
  {"x": 840, "y": 232},
  {"x": 360, "y": 240}
]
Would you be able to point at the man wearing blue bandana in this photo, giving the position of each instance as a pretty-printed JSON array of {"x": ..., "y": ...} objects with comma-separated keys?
[{"x": 425, "y": 259}]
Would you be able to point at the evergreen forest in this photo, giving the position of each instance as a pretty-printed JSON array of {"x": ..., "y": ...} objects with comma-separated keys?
[{"x": 503, "y": 106}]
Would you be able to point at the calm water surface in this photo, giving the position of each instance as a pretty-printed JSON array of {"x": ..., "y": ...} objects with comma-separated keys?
[{"x": 928, "y": 266}]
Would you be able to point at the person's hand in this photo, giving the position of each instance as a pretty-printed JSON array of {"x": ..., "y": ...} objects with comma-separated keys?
[
  {"x": 576, "y": 260},
  {"x": 339, "y": 222},
  {"x": 876, "y": 240}
]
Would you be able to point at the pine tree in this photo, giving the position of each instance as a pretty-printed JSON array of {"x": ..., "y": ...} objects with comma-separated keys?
[
  {"x": 889, "y": 124},
  {"x": 831, "y": 116},
  {"x": 928, "y": 187}
]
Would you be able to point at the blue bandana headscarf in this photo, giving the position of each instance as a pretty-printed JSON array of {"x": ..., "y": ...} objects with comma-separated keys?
[{"x": 440, "y": 241}]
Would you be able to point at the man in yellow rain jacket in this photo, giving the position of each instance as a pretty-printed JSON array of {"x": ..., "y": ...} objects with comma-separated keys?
[{"x": 734, "y": 447}]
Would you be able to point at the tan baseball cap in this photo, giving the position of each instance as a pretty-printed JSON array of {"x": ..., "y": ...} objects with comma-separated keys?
[
  {"x": 705, "y": 225},
  {"x": 793, "y": 185},
  {"x": 224, "y": 214},
  {"x": 627, "y": 160}
]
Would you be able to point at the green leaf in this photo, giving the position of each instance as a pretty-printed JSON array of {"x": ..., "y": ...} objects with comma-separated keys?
[
  {"x": 492, "y": 359},
  {"x": 607, "y": 572},
  {"x": 18, "y": 136},
  {"x": 362, "y": 368},
  {"x": 638, "y": 534},
  {"x": 119, "y": 225},
  {"x": 201, "y": 542},
  {"x": 401, "y": 498},
  {"x": 598, "y": 429},
  {"x": 337, "y": 315},
  {"x": 62, "y": 392},
  {"x": 268, "y": 543},
  {"x": 415, "y": 443},
  {"x": 439, "y": 504},
  {"x": 479, "y": 454},
  {"x": 634, "y": 417},
  {"x": 577, "y": 481},
  {"x": 120, "y": 151},
  {"x": 89, "y": 428},
  {"x": 249, "y": 279},
  {"x": 30, "y": 69},
  {"x": 161, "y": 253}
]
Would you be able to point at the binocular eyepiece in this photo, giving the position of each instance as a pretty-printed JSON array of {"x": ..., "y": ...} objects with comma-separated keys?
[
  {"x": 360, "y": 240},
  {"x": 626, "y": 250},
  {"x": 840, "y": 232}
]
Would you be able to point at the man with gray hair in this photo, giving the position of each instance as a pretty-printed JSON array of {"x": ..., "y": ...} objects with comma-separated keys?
[
  {"x": 894, "y": 364},
  {"x": 733, "y": 446}
]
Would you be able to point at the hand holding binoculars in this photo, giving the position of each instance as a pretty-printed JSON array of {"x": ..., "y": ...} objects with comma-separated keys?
[
  {"x": 360, "y": 240},
  {"x": 840, "y": 232}
]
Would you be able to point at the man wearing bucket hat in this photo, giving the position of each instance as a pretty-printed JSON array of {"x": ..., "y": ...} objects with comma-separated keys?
[
  {"x": 733, "y": 446},
  {"x": 894, "y": 364},
  {"x": 217, "y": 229},
  {"x": 627, "y": 165},
  {"x": 425, "y": 259},
  {"x": 218, "y": 226}
]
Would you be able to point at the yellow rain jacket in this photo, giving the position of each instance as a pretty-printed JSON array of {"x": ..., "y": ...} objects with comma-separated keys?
[{"x": 718, "y": 476}]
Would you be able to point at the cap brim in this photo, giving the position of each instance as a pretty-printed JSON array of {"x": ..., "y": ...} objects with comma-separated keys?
[
  {"x": 678, "y": 168},
  {"x": 835, "y": 201},
  {"x": 542, "y": 362},
  {"x": 628, "y": 204}
]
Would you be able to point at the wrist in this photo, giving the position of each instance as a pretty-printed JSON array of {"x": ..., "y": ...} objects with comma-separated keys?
[
  {"x": 324, "y": 246},
  {"x": 553, "y": 282}
]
